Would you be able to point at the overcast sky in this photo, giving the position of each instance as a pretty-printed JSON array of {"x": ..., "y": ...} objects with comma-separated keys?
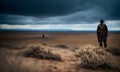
[{"x": 59, "y": 14}]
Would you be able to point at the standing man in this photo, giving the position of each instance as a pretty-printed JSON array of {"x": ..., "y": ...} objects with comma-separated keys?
[{"x": 102, "y": 33}]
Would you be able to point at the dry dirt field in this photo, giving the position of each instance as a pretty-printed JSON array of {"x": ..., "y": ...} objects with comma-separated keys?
[{"x": 58, "y": 52}]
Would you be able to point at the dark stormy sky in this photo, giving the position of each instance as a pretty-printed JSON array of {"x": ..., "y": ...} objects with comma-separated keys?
[{"x": 58, "y": 14}]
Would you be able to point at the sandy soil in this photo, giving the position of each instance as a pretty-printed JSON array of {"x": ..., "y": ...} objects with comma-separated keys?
[
  {"x": 69, "y": 38},
  {"x": 74, "y": 49}
]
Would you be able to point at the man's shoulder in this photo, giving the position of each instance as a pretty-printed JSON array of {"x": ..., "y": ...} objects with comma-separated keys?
[
  {"x": 99, "y": 24},
  {"x": 105, "y": 25},
  {"x": 102, "y": 25}
]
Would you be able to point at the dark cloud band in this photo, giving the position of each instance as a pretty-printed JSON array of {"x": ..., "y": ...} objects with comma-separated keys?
[
  {"x": 57, "y": 11},
  {"x": 41, "y": 7}
]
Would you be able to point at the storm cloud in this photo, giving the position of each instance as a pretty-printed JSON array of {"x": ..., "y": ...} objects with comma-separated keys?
[
  {"x": 24, "y": 12},
  {"x": 42, "y": 8}
]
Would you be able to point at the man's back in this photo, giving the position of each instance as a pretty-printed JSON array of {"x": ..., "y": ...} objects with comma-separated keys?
[
  {"x": 102, "y": 33},
  {"x": 102, "y": 30}
]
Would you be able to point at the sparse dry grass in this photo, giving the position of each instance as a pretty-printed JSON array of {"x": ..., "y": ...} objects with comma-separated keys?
[
  {"x": 37, "y": 57},
  {"x": 16, "y": 60},
  {"x": 95, "y": 58},
  {"x": 10, "y": 63},
  {"x": 41, "y": 52}
]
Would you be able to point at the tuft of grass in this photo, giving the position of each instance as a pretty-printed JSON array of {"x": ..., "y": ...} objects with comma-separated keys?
[
  {"x": 44, "y": 44},
  {"x": 62, "y": 46},
  {"x": 37, "y": 51},
  {"x": 94, "y": 58}
]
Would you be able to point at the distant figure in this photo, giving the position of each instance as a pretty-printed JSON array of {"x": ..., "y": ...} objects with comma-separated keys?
[
  {"x": 43, "y": 36},
  {"x": 102, "y": 33}
]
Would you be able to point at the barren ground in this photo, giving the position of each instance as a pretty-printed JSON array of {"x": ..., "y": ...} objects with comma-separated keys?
[{"x": 74, "y": 48}]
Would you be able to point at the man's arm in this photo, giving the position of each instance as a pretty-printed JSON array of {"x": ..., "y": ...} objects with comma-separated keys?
[
  {"x": 106, "y": 29},
  {"x": 98, "y": 31}
]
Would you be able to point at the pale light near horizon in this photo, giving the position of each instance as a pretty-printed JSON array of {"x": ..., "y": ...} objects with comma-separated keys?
[{"x": 112, "y": 26}]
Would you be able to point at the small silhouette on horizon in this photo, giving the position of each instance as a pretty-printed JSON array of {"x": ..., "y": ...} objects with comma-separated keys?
[
  {"x": 43, "y": 36},
  {"x": 102, "y": 33}
]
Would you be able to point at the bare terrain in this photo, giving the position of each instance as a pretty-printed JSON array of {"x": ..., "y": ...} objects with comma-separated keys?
[{"x": 58, "y": 52}]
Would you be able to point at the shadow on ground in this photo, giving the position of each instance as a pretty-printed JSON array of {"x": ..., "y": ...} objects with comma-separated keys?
[{"x": 114, "y": 51}]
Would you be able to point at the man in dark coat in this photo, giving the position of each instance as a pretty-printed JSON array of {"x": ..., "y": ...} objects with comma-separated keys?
[{"x": 102, "y": 33}]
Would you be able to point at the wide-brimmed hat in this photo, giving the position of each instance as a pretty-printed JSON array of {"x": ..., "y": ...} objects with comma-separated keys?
[{"x": 101, "y": 20}]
